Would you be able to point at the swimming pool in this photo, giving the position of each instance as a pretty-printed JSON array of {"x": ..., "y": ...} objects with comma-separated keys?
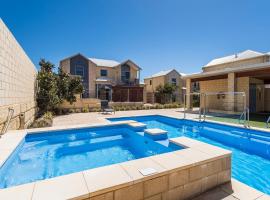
[
  {"x": 251, "y": 149},
  {"x": 49, "y": 154}
]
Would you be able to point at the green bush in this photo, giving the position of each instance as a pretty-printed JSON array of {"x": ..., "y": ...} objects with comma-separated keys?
[
  {"x": 85, "y": 109},
  {"x": 71, "y": 110},
  {"x": 45, "y": 120}
]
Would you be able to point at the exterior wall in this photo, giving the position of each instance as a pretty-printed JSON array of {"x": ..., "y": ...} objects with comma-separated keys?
[
  {"x": 92, "y": 79},
  {"x": 133, "y": 73},
  {"x": 81, "y": 103},
  {"x": 182, "y": 183},
  {"x": 65, "y": 65},
  {"x": 17, "y": 80},
  {"x": 259, "y": 93},
  {"x": 251, "y": 61},
  {"x": 213, "y": 102},
  {"x": 242, "y": 85},
  {"x": 111, "y": 72},
  {"x": 179, "y": 84},
  {"x": 267, "y": 99},
  {"x": 150, "y": 89},
  {"x": 156, "y": 81}
]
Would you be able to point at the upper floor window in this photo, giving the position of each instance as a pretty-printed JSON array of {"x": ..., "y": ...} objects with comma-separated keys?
[
  {"x": 150, "y": 82},
  {"x": 127, "y": 75},
  {"x": 103, "y": 72},
  {"x": 79, "y": 70},
  {"x": 173, "y": 81}
]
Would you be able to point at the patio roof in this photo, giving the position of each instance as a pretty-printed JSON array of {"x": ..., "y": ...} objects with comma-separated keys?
[{"x": 225, "y": 71}]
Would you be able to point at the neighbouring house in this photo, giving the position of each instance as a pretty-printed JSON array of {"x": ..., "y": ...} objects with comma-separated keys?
[
  {"x": 17, "y": 82},
  {"x": 106, "y": 79},
  {"x": 247, "y": 71},
  {"x": 161, "y": 78}
]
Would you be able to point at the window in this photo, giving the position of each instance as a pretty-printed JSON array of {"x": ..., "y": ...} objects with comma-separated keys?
[
  {"x": 127, "y": 75},
  {"x": 173, "y": 81},
  {"x": 103, "y": 72},
  {"x": 79, "y": 70},
  {"x": 150, "y": 82}
]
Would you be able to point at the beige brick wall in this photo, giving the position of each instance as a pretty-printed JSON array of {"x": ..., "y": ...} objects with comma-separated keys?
[
  {"x": 17, "y": 79},
  {"x": 215, "y": 102},
  {"x": 177, "y": 184}
]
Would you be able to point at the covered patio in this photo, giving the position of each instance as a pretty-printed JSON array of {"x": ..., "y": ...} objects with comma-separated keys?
[{"x": 253, "y": 81}]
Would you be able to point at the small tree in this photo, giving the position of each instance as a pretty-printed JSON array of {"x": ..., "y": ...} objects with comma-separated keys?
[
  {"x": 47, "y": 93},
  {"x": 54, "y": 88},
  {"x": 164, "y": 93},
  {"x": 68, "y": 86}
]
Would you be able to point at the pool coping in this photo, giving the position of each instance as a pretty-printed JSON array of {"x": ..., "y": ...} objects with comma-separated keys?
[
  {"x": 197, "y": 120},
  {"x": 79, "y": 185}
]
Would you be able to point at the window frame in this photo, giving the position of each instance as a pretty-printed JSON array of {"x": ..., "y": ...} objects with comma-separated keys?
[
  {"x": 174, "y": 81},
  {"x": 79, "y": 67},
  {"x": 104, "y": 70}
]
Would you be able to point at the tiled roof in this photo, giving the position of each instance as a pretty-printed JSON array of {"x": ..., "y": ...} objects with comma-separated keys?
[{"x": 232, "y": 58}]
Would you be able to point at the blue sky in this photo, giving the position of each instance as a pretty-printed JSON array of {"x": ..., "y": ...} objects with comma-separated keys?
[{"x": 156, "y": 34}]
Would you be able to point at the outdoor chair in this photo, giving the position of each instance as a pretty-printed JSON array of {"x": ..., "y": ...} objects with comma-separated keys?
[{"x": 105, "y": 108}]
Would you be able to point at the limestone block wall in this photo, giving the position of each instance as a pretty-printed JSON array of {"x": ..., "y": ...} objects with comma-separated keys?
[
  {"x": 214, "y": 102},
  {"x": 17, "y": 80},
  {"x": 184, "y": 183},
  {"x": 221, "y": 102}
]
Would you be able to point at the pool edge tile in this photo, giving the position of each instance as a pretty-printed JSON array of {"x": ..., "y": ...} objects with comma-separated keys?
[
  {"x": 132, "y": 169},
  {"x": 71, "y": 186},
  {"x": 241, "y": 190},
  {"x": 171, "y": 161},
  {"x": 105, "y": 179},
  {"x": 22, "y": 192}
]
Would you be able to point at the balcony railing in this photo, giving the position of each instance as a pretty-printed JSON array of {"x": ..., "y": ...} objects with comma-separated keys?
[{"x": 134, "y": 82}]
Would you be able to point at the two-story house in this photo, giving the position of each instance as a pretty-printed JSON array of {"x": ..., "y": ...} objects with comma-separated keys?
[
  {"x": 161, "y": 78},
  {"x": 106, "y": 79}
]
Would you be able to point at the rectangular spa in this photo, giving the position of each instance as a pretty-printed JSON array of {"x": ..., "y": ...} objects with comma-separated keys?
[
  {"x": 49, "y": 154},
  {"x": 250, "y": 148}
]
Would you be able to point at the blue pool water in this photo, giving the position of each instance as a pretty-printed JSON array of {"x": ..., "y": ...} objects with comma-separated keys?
[
  {"x": 50, "y": 154},
  {"x": 251, "y": 149}
]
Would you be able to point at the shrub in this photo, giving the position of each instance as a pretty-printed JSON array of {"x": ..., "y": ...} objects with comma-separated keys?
[
  {"x": 45, "y": 120},
  {"x": 71, "y": 110},
  {"x": 85, "y": 109},
  {"x": 78, "y": 110}
]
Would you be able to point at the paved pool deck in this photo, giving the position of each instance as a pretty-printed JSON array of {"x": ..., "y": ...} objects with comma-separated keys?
[
  {"x": 95, "y": 117},
  {"x": 230, "y": 191}
]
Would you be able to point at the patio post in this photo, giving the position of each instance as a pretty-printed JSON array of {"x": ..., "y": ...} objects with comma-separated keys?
[{"x": 188, "y": 92}]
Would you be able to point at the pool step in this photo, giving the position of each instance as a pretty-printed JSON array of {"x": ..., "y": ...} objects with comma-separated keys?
[
  {"x": 137, "y": 126},
  {"x": 156, "y": 133}
]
